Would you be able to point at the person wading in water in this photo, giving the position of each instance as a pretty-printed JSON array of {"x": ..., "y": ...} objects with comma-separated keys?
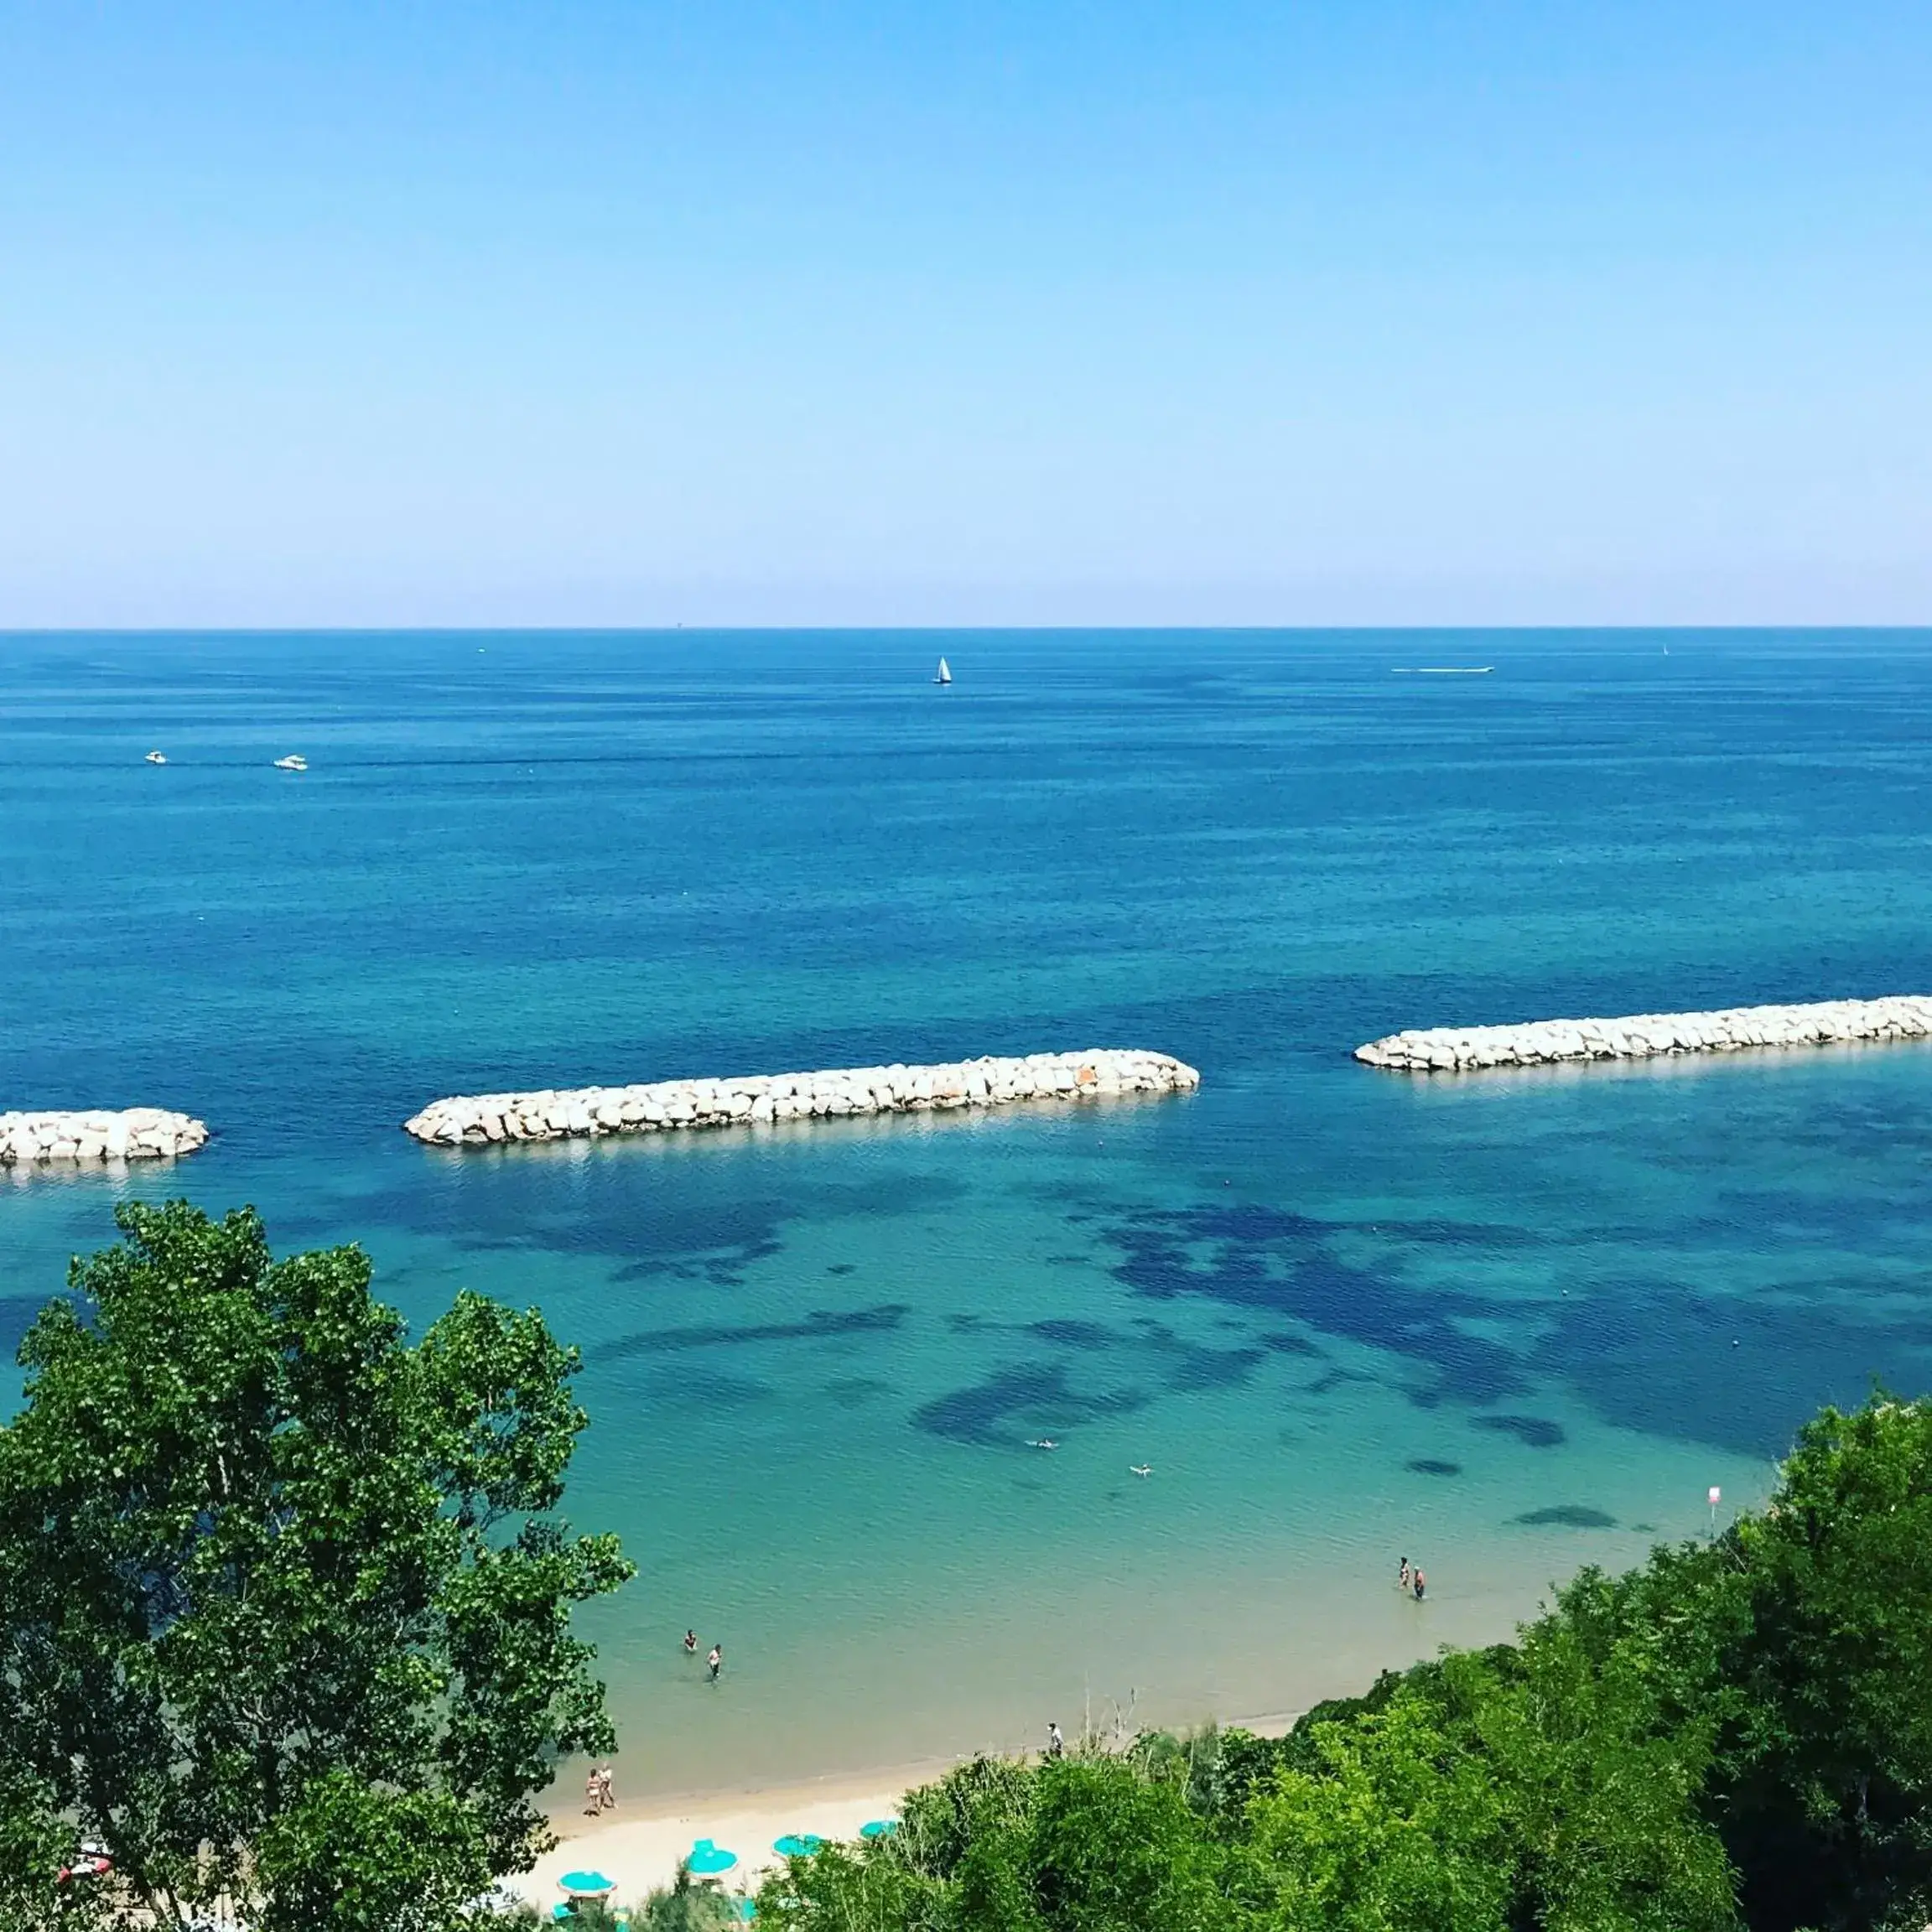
[{"x": 716, "y": 1660}]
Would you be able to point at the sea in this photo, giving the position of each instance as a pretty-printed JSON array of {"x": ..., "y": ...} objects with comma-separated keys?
[{"x": 1505, "y": 1325}]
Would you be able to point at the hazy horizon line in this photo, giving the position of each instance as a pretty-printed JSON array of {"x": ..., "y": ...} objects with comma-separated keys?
[{"x": 565, "y": 629}]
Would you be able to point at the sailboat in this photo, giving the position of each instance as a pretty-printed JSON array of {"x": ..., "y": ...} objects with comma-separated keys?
[{"x": 944, "y": 675}]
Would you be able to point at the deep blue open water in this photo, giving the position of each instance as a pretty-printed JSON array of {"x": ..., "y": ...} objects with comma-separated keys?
[{"x": 1508, "y": 1324}]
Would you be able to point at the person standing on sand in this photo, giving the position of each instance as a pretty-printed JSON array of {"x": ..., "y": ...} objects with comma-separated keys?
[
  {"x": 716, "y": 1660},
  {"x": 606, "y": 1798},
  {"x": 593, "y": 1794},
  {"x": 1056, "y": 1744}
]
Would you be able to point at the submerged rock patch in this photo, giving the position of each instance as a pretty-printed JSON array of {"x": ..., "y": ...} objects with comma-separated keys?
[
  {"x": 1533, "y": 1431},
  {"x": 1568, "y": 1516}
]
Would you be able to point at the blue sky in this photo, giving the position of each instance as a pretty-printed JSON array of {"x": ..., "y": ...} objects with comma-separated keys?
[{"x": 935, "y": 313}]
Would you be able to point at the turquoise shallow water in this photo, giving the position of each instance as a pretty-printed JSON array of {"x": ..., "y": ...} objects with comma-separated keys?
[{"x": 1507, "y": 1325}]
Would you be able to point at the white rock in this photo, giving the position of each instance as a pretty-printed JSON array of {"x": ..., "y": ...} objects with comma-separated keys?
[
  {"x": 646, "y": 1108},
  {"x": 96, "y": 1134},
  {"x": 1645, "y": 1035}
]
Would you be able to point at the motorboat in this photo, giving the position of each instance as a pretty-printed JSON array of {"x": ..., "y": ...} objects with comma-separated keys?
[
  {"x": 157, "y": 758},
  {"x": 293, "y": 762}
]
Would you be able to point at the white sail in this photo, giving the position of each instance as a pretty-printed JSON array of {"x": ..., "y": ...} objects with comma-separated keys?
[{"x": 944, "y": 675}]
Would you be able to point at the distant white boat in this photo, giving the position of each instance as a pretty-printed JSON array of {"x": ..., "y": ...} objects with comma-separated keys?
[
  {"x": 1443, "y": 669},
  {"x": 294, "y": 762},
  {"x": 944, "y": 675},
  {"x": 156, "y": 758}
]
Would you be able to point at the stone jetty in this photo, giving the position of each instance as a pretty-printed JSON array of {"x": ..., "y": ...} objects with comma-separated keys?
[
  {"x": 1648, "y": 1035},
  {"x": 133, "y": 1134},
  {"x": 667, "y": 1106}
]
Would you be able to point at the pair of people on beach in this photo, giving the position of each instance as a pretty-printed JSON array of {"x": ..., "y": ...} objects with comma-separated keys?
[
  {"x": 597, "y": 1795},
  {"x": 714, "y": 1662},
  {"x": 1408, "y": 1579}
]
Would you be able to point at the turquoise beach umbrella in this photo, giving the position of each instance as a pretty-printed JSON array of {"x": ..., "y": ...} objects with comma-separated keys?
[
  {"x": 707, "y": 1857},
  {"x": 797, "y": 1844},
  {"x": 587, "y": 1884},
  {"x": 879, "y": 1828}
]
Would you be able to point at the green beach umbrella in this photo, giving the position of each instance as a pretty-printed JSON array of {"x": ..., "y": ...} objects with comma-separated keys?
[
  {"x": 797, "y": 1844},
  {"x": 708, "y": 1858},
  {"x": 879, "y": 1828}
]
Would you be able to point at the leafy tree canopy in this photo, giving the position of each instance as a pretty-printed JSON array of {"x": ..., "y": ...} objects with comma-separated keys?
[{"x": 288, "y": 1616}]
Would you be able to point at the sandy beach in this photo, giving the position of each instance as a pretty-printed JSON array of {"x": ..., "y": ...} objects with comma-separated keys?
[{"x": 641, "y": 1849}]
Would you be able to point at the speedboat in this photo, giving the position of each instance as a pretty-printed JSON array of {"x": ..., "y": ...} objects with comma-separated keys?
[
  {"x": 157, "y": 758},
  {"x": 294, "y": 762}
]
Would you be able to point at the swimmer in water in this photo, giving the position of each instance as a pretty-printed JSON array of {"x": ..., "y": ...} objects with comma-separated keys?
[
  {"x": 1043, "y": 1442},
  {"x": 1420, "y": 1582},
  {"x": 716, "y": 1660},
  {"x": 1141, "y": 1468},
  {"x": 1402, "y": 1576},
  {"x": 690, "y": 1643}
]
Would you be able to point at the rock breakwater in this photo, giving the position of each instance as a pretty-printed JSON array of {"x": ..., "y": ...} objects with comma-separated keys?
[
  {"x": 133, "y": 1134},
  {"x": 1646, "y": 1036},
  {"x": 666, "y": 1106}
]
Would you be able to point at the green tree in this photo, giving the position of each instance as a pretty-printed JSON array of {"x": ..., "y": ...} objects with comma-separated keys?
[
  {"x": 1826, "y": 1789},
  {"x": 1089, "y": 1844},
  {"x": 34, "y": 1843},
  {"x": 914, "y": 1879},
  {"x": 1112, "y": 1850},
  {"x": 287, "y": 1616},
  {"x": 1599, "y": 1785},
  {"x": 1394, "y": 1827},
  {"x": 1554, "y": 1783},
  {"x": 686, "y": 1904}
]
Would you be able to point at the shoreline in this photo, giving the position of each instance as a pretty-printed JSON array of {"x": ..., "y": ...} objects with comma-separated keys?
[{"x": 641, "y": 1847}]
